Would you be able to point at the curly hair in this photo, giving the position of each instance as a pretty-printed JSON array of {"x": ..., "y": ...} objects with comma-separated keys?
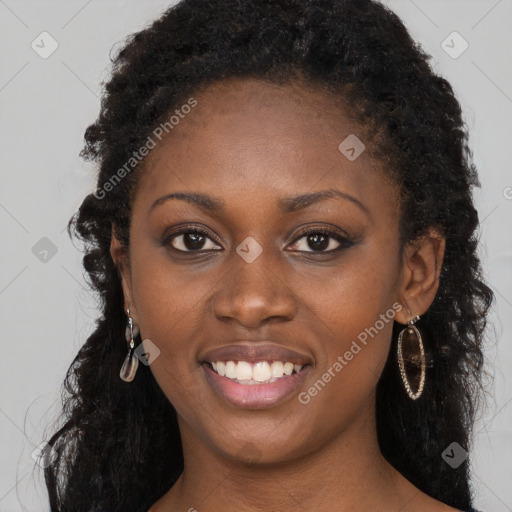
[{"x": 118, "y": 446}]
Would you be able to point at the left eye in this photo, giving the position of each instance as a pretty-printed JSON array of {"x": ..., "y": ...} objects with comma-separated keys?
[{"x": 320, "y": 241}]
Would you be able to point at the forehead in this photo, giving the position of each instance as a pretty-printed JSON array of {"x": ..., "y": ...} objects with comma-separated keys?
[{"x": 248, "y": 139}]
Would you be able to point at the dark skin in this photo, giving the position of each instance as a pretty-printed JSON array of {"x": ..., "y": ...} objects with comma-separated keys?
[{"x": 251, "y": 143}]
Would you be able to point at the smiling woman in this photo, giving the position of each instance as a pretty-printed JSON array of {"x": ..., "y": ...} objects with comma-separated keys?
[{"x": 293, "y": 260}]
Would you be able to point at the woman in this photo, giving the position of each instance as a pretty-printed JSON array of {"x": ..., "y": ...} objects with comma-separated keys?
[{"x": 283, "y": 236}]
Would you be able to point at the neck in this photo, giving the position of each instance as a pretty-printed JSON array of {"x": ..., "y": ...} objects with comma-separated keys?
[{"x": 347, "y": 473}]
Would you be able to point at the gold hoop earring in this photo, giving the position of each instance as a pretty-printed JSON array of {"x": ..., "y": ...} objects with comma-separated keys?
[
  {"x": 405, "y": 337},
  {"x": 131, "y": 362}
]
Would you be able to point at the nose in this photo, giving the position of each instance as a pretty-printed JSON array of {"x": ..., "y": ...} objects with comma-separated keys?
[{"x": 253, "y": 293}]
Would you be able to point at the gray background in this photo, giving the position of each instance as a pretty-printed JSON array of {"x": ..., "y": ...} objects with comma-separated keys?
[{"x": 46, "y": 104}]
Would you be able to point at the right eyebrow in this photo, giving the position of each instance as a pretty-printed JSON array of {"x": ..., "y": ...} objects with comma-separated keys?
[{"x": 203, "y": 201}]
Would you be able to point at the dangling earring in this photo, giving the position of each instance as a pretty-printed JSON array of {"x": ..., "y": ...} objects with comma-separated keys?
[
  {"x": 406, "y": 336},
  {"x": 131, "y": 362}
]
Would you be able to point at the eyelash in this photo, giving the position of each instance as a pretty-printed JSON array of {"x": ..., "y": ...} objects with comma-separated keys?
[{"x": 343, "y": 241}]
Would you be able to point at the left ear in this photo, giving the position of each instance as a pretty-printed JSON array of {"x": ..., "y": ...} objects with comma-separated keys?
[{"x": 421, "y": 267}]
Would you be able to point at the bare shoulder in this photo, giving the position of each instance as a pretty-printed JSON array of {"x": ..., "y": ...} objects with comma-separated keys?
[
  {"x": 429, "y": 504},
  {"x": 416, "y": 500},
  {"x": 166, "y": 503},
  {"x": 159, "y": 506},
  {"x": 156, "y": 507}
]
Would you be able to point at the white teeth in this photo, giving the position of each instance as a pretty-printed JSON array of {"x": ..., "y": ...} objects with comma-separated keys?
[
  {"x": 243, "y": 370},
  {"x": 231, "y": 370},
  {"x": 288, "y": 368},
  {"x": 277, "y": 369},
  {"x": 221, "y": 368},
  {"x": 261, "y": 371},
  {"x": 255, "y": 373}
]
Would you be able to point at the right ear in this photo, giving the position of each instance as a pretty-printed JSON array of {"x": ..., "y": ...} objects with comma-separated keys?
[{"x": 121, "y": 260}]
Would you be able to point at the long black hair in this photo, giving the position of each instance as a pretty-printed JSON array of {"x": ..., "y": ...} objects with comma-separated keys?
[{"x": 118, "y": 447}]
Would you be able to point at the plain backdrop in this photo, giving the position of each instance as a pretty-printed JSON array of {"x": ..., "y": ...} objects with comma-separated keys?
[{"x": 46, "y": 103}]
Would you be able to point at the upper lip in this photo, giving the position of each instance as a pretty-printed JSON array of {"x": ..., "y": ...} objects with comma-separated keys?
[{"x": 254, "y": 352}]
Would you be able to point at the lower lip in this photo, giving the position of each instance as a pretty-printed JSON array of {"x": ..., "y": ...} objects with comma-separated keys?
[{"x": 257, "y": 396}]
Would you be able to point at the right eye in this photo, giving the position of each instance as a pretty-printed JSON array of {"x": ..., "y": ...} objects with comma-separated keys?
[{"x": 190, "y": 240}]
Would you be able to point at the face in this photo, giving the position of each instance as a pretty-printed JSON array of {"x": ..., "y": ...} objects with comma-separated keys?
[{"x": 255, "y": 263}]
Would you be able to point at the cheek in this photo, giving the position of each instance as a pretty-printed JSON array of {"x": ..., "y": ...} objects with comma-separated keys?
[
  {"x": 352, "y": 295},
  {"x": 167, "y": 295},
  {"x": 170, "y": 320},
  {"x": 352, "y": 309},
  {"x": 169, "y": 308}
]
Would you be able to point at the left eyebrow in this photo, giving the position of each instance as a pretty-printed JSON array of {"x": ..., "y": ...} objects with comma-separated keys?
[
  {"x": 293, "y": 204},
  {"x": 286, "y": 204}
]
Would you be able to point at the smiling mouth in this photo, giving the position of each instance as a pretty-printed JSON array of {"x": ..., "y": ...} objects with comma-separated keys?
[{"x": 261, "y": 372}]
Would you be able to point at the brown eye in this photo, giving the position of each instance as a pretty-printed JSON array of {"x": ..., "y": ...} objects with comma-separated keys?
[
  {"x": 318, "y": 240},
  {"x": 191, "y": 240}
]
